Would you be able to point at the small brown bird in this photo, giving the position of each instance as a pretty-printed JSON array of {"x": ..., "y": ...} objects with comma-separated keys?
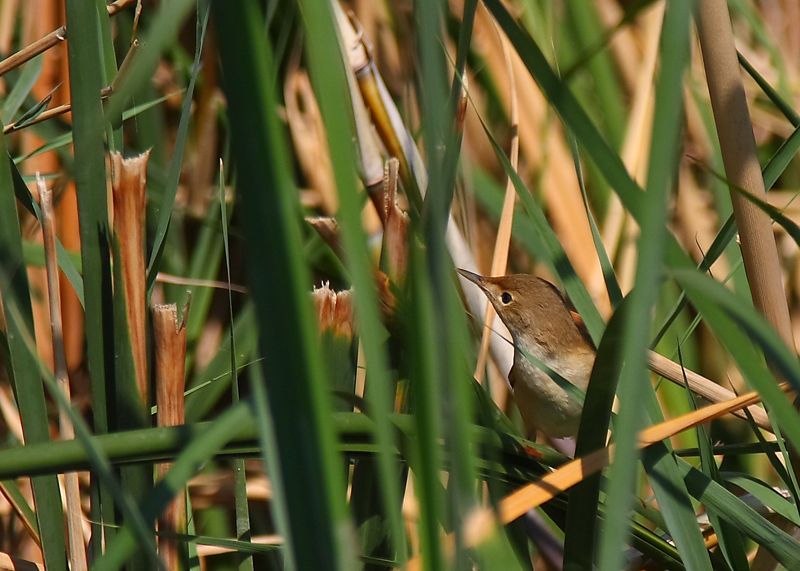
[{"x": 544, "y": 327}]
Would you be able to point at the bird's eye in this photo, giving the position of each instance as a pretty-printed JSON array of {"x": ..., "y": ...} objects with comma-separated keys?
[{"x": 506, "y": 298}]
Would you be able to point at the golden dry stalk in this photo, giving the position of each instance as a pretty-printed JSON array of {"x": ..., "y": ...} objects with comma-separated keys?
[
  {"x": 128, "y": 184},
  {"x": 169, "y": 341}
]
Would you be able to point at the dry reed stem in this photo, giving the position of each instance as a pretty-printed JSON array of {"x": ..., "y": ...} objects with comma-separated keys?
[
  {"x": 52, "y": 39},
  {"x": 636, "y": 145},
  {"x": 328, "y": 230},
  {"x": 128, "y": 183},
  {"x": 75, "y": 537},
  {"x": 395, "y": 223},
  {"x": 739, "y": 155},
  {"x": 356, "y": 52},
  {"x": 164, "y": 278},
  {"x": 18, "y": 509},
  {"x": 702, "y": 386},
  {"x": 169, "y": 340},
  {"x": 49, "y": 114},
  {"x": 543, "y": 144},
  {"x": 308, "y": 135},
  {"x": 480, "y": 525},
  {"x": 400, "y": 144},
  {"x": 209, "y": 550},
  {"x": 737, "y": 143},
  {"x": 8, "y": 25},
  {"x": 503, "y": 240},
  {"x": 623, "y": 44}
]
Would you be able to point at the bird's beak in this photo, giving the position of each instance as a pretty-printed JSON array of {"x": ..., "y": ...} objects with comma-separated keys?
[{"x": 477, "y": 279}]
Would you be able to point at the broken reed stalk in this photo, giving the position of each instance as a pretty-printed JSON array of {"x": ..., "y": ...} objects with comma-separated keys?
[
  {"x": 395, "y": 224},
  {"x": 52, "y": 39},
  {"x": 169, "y": 342},
  {"x": 128, "y": 183},
  {"x": 75, "y": 539}
]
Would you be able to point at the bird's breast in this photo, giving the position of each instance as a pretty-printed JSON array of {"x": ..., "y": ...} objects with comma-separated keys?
[{"x": 542, "y": 401}]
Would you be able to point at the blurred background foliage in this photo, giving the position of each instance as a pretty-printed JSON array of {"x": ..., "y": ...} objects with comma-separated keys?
[{"x": 316, "y": 170}]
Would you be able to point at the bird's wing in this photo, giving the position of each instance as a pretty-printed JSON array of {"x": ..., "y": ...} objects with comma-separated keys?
[{"x": 578, "y": 321}]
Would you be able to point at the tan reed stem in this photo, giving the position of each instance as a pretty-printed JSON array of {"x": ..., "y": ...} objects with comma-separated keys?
[
  {"x": 75, "y": 539},
  {"x": 52, "y": 39},
  {"x": 738, "y": 146},
  {"x": 128, "y": 185},
  {"x": 169, "y": 340}
]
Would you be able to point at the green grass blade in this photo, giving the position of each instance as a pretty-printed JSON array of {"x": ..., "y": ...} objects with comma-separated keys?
[
  {"x": 239, "y": 476},
  {"x": 123, "y": 547},
  {"x": 605, "y": 81},
  {"x": 783, "y": 106},
  {"x": 546, "y": 245},
  {"x": 580, "y": 530},
  {"x": 14, "y": 495},
  {"x": 668, "y": 113},
  {"x": 22, "y": 371},
  {"x": 109, "y": 59},
  {"x": 166, "y": 24},
  {"x": 90, "y": 180},
  {"x": 766, "y": 495},
  {"x": 129, "y": 411},
  {"x": 210, "y": 384},
  {"x": 327, "y": 72},
  {"x": 427, "y": 455},
  {"x": 450, "y": 347},
  {"x": 785, "y": 548},
  {"x": 675, "y": 505},
  {"x": 22, "y": 88},
  {"x": 166, "y": 199},
  {"x": 730, "y": 320},
  {"x": 69, "y": 262},
  {"x": 310, "y": 470},
  {"x": 609, "y": 276},
  {"x": 731, "y": 542}
]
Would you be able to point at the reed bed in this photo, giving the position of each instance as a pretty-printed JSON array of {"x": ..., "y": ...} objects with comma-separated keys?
[{"x": 233, "y": 336}]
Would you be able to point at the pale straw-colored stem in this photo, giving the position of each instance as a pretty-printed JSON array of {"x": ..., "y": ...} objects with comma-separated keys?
[
  {"x": 503, "y": 240},
  {"x": 76, "y": 540}
]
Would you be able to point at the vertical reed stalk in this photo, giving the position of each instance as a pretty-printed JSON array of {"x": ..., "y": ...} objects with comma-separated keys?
[
  {"x": 738, "y": 147},
  {"x": 129, "y": 178},
  {"x": 76, "y": 540},
  {"x": 169, "y": 340}
]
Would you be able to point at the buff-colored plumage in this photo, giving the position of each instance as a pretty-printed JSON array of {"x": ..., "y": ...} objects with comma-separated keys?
[{"x": 543, "y": 327}]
